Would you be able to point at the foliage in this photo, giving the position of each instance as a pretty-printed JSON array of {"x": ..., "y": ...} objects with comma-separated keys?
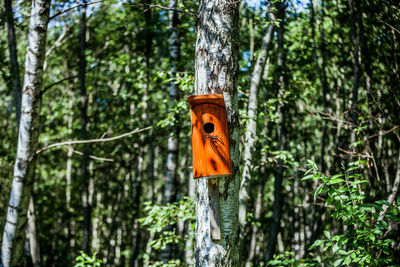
[
  {"x": 127, "y": 80},
  {"x": 288, "y": 259},
  {"x": 84, "y": 260},
  {"x": 158, "y": 218},
  {"x": 364, "y": 241}
]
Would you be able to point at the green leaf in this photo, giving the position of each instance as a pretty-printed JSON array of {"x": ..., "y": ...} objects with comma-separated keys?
[
  {"x": 336, "y": 181},
  {"x": 338, "y": 262},
  {"x": 372, "y": 237},
  {"x": 318, "y": 191},
  {"x": 308, "y": 177},
  {"x": 327, "y": 234},
  {"x": 317, "y": 243}
]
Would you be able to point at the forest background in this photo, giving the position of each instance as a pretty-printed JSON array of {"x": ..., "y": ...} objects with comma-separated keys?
[{"x": 319, "y": 101}]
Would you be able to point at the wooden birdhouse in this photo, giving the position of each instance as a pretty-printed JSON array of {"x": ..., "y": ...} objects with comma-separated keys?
[{"x": 210, "y": 141}]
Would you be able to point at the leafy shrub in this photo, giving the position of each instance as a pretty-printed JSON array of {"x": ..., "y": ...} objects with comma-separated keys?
[
  {"x": 157, "y": 220},
  {"x": 84, "y": 260},
  {"x": 364, "y": 241}
]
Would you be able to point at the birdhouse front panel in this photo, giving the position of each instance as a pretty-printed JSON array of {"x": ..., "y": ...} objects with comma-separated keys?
[{"x": 210, "y": 141}]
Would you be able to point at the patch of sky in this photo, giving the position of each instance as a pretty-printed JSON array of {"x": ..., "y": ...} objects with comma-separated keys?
[{"x": 299, "y": 5}]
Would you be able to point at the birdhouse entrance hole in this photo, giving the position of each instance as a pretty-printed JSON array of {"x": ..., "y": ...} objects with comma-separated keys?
[{"x": 208, "y": 127}]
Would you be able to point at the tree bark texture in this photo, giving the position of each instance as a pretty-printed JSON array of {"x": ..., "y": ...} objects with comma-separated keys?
[
  {"x": 14, "y": 230},
  {"x": 281, "y": 83},
  {"x": 216, "y": 70},
  {"x": 84, "y": 122},
  {"x": 12, "y": 47},
  {"x": 251, "y": 130},
  {"x": 171, "y": 181}
]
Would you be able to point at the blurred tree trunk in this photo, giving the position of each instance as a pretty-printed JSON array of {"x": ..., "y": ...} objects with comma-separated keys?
[
  {"x": 356, "y": 65},
  {"x": 216, "y": 69},
  {"x": 251, "y": 129},
  {"x": 318, "y": 211},
  {"x": 171, "y": 181},
  {"x": 14, "y": 66},
  {"x": 14, "y": 230},
  {"x": 278, "y": 201},
  {"x": 84, "y": 123},
  {"x": 32, "y": 234},
  {"x": 321, "y": 70}
]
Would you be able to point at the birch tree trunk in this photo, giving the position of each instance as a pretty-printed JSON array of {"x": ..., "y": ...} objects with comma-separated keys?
[
  {"x": 251, "y": 130},
  {"x": 12, "y": 47},
  {"x": 84, "y": 121},
  {"x": 32, "y": 234},
  {"x": 14, "y": 230},
  {"x": 216, "y": 70},
  {"x": 171, "y": 182}
]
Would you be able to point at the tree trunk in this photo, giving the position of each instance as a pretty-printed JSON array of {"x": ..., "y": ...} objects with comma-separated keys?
[
  {"x": 14, "y": 230},
  {"x": 171, "y": 182},
  {"x": 356, "y": 66},
  {"x": 32, "y": 235},
  {"x": 172, "y": 156},
  {"x": 321, "y": 70},
  {"x": 12, "y": 47},
  {"x": 251, "y": 130},
  {"x": 84, "y": 121},
  {"x": 257, "y": 215},
  {"x": 216, "y": 71},
  {"x": 278, "y": 201}
]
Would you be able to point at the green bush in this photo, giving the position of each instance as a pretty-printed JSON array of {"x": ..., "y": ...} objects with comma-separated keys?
[{"x": 365, "y": 240}]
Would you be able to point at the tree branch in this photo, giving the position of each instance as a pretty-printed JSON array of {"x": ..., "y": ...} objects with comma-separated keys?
[
  {"x": 149, "y": 6},
  {"x": 75, "y": 6},
  {"x": 57, "y": 82},
  {"x": 101, "y": 140},
  {"x": 393, "y": 28},
  {"x": 94, "y": 157}
]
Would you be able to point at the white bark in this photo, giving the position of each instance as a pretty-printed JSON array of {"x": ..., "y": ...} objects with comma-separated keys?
[
  {"x": 32, "y": 235},
  {"x": 251, "y": 130},
  {"x": 216, "y": 69},
  {"x": 14, "y": 230}
]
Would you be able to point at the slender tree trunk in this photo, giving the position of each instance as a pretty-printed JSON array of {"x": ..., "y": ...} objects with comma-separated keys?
[
  {"x": 251, "y": 130},
  {"x": 171, "y": 181},
  {"x": 318, "y": 211},
  {"x": 14, "y": 230},
  {"x": 356, "y": 65},
  {"x": 12, "y": 47},
  {"x": 278, "y": 201},
  {"x": 84, "y": 122},
  {"x": 135, "y": 198},
  {"x": 321, "y": 70},
  {"x": 189, "y": 260},
  {"x": 172, "y": 156},
  {"x": 32, "y": 234},
  {"x": 257, "y": 215},
  {"x": 216, "y": 70}
]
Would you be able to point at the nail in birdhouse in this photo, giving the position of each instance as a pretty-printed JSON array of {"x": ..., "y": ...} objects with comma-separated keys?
[{"x": 210, "y": 141}]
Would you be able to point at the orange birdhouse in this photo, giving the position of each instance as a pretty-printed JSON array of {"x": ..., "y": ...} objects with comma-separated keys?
[{"x": 210, "y": 141}]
